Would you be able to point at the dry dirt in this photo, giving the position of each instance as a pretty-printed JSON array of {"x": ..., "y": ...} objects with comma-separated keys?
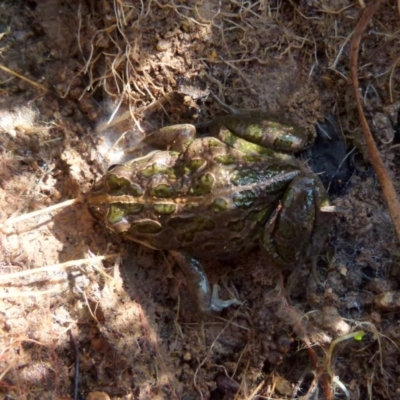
[{"x": 108, "y": 319}]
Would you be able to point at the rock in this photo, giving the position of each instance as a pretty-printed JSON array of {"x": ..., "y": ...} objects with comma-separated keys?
[{"x": 388, "y": 301}]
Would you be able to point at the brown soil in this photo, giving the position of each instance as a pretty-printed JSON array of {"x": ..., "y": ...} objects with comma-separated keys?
[{"x": 129, "y": 320}]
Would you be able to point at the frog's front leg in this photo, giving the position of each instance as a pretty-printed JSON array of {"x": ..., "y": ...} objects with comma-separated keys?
[
  {"x": 199, "y": 285},
  {"x": 299, "y": 229}
]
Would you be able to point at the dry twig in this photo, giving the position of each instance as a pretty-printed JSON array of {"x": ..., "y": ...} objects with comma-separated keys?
[
  {"x": 388, "y": 191},
  {"x": 24, "y": 78}
]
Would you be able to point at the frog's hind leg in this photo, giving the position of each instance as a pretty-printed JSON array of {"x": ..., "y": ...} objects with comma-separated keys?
[
  {"x": 261, "y": 130},
  {"x": 198, "y": 284},
  {"x": 299, "y": 229}
]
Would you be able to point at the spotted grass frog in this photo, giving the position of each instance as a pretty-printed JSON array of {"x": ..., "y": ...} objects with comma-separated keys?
[{"x": 216, "y": 197}]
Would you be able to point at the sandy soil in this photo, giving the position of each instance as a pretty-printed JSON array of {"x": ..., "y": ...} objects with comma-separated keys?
[{"x": 74, "y": 77}]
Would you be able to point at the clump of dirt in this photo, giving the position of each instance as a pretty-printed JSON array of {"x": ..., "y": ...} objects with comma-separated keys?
[{"x": 81, "y": 85}]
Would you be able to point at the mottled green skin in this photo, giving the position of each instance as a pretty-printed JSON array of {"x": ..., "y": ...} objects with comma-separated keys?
[{"x": 217, "y": 198}]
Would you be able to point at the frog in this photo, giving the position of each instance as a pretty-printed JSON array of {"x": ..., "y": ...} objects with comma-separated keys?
[{"x": 217, "y": 196}]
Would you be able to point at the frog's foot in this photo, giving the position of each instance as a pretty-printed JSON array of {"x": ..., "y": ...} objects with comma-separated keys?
[
  {"x": 199, "y": 286},
  {"x": 217, "y": 304}
]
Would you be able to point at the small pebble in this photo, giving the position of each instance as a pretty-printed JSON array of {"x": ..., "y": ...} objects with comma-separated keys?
[{"x": 388, "y": 301}]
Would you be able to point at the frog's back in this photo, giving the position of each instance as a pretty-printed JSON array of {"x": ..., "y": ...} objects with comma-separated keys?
[{"x": 209, "y": 201}]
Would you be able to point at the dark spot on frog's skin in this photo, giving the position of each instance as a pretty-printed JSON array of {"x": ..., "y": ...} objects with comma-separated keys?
[
  {"x": 286, "y": 253},
  {"x": 277, "y": 187},
  {"x": 156, "y": 169},
  {"x": 284, "y": 141},
  {"x": 219, "y": 205},
  {"x": 244, "y": 176},
  {"x": 147, "y": 227},
  {"x": 190, "y": 206},
  {"x": 209, "y": 247},
  {"x": 194, "y": 165},
  {"x": 186, "y": 228},
  {"x": 244, "y": 199},
  {"x": 203, "y": 185},
  {"x": 236, "y": 226},
  {"x": 261, "y": 215},
  {"x": 119, "y": 211},
  {"x": 162, "y": 191},
  {"x": 225, "y": 159},
  {"x": 237, "y": 241},
  {"x": 242, "y": 249},
  {"x": 215, "y": 143},
  {"x": 122, "y": 186},
  {"x": 251, "y": 158}
]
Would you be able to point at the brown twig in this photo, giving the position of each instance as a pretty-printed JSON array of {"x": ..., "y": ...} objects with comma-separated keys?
[
  {"x": 24, "y": 78},
  {"x": 388, "y": 191}
]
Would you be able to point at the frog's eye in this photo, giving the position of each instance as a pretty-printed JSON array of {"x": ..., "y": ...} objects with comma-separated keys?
[
  {"x": 97, "y": 212},
  {"x": 112, "y": 167}
]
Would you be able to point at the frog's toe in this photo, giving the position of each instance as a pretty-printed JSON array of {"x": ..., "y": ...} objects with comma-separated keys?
[{"x": 218, "y": 304}]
